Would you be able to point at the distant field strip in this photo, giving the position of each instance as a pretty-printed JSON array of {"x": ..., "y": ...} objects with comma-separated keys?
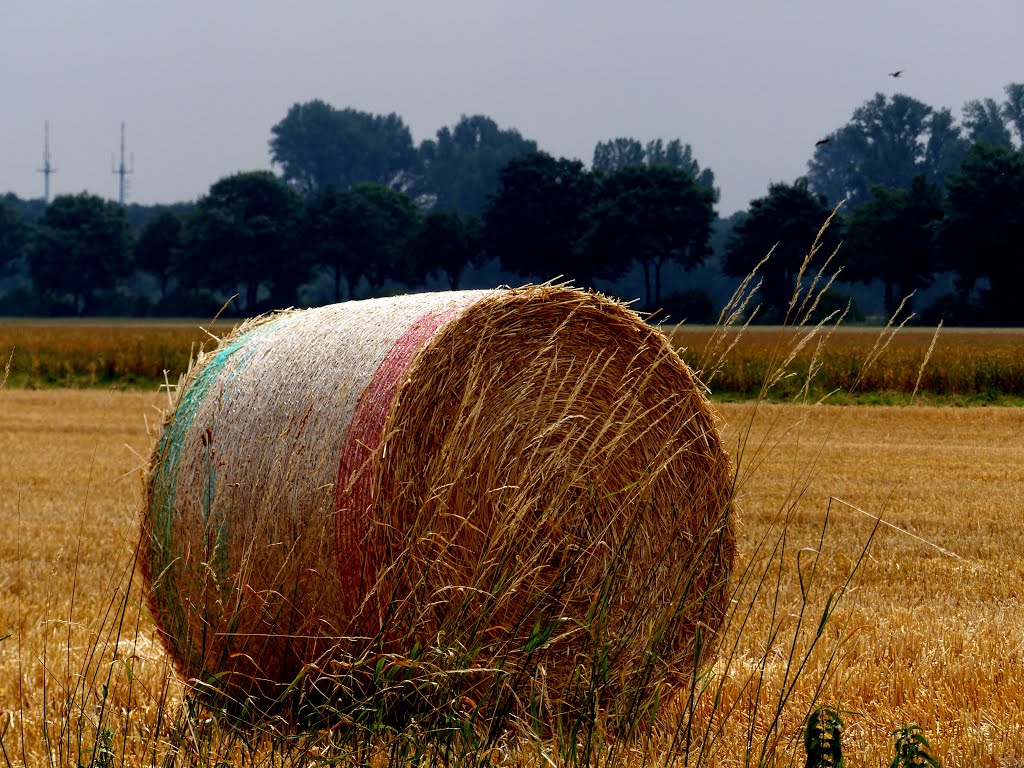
[
  {"x": 93, "y": 353},
  {"x": 967, "y": 366}
]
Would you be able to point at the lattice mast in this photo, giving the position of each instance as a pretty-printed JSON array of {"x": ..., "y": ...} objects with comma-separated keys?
[
  {"x": 122, "y": 170},
  {"x": 48, "y": 167}
]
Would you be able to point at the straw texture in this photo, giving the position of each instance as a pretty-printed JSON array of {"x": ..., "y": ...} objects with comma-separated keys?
[{"x": 449, "y": 468}]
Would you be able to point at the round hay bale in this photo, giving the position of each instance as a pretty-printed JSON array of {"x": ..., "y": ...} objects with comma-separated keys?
[{"x": 517, "y": 476}]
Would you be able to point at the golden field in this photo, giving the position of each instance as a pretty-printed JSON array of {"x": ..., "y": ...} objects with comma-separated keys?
[
  {"x": 47, "y": 353},
  {"x": 929, "y": 630},
  {"x": 967, "y": 366}
]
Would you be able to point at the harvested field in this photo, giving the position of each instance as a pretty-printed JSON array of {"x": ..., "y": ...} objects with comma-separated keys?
[
  {"x": 89, "y": 353},
  {"x": 930, "y": 630},
  {"x": 968, "y": 366}
]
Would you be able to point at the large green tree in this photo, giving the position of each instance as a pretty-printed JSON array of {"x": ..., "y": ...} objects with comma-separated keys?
[
  {"x": 654, "y": 215},
  {"x": 363, "y": 232},
  {"x": 390, "y": 219},
  {"x": 536, "y": 222},
  {"x": 1013, "y": 110},
  {"x": 945, "y": 148},
  {"x": 31, "y": 210},
  {"x": 13, "y": 237},
  {"x": 80, "y": 247},
  {"x": 242, "y": 240},
  {"x": 890, "y": 237},
  {"x": 448, "y": 242},
  {"x": 982, "y": 232},
  {"x": 158, "y": 248},
  {"x": 888, "y": 141},
  {"x": 460, "y": 166},
  {"x": 332, "y": 219},
  {"x": 787, "y": 219},
  {"x": 616, "y": 154},
  {"x": 984, "y": 123},
  {"x": 317, "y": 146}
]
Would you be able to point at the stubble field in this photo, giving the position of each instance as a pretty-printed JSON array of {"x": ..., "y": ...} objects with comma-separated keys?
[{"x": 929, "y": 631}]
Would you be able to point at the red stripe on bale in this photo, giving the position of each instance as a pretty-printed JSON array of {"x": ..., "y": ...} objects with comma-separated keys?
[{"x": 354, "y": 490}]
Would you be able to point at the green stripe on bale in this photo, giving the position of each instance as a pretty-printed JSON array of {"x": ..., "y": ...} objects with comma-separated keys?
[{"x": 163, "y": 554}]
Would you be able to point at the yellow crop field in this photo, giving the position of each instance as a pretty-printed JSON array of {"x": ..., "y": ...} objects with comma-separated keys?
[
  {"x": 928, "y": 631},
  {"x": 43, "y": 353},
  {"x": 967, "y": 366}
]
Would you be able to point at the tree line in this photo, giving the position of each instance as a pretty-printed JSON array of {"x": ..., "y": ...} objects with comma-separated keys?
[{"x": 358, "y": 210}]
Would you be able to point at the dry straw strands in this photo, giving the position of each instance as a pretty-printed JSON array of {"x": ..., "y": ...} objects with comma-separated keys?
[{"x": 447, "y": 470}]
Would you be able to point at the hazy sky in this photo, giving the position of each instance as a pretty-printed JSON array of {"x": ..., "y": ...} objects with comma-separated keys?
[{"x": 750, "y": 84}]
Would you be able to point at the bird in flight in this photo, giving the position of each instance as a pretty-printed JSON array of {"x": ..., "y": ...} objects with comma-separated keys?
[
  {"x": 819, "y": 142},
  {"x": 897, "y": 73}
]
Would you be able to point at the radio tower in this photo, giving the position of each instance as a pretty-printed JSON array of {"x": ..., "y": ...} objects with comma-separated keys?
[
  {"x": 122, "y": 170},
  {"x": 47, "y": 168}
]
